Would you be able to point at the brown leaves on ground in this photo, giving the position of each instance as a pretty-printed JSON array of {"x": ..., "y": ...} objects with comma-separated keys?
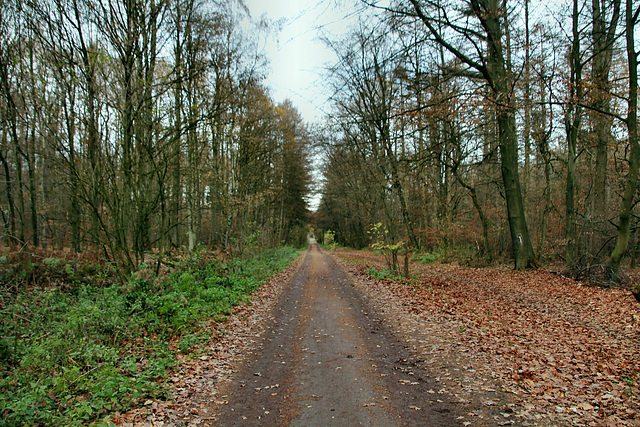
[{"x": 568, "y": 353}]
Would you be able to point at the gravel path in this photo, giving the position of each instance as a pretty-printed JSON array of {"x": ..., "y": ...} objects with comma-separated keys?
[{"x": 326, "y": 358}]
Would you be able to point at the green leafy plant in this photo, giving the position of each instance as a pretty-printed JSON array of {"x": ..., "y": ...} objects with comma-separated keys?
[
  {"x": 382, "y": 274},
  {"x": 431, "y": 257},
  {"x": 72, "y": 354},
  {"x": 381, "y": 241},
  {"x": 330, "y": 240}
]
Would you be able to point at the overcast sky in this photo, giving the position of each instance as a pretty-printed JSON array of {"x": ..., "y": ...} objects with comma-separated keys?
[{"x": 297, "y": 56}]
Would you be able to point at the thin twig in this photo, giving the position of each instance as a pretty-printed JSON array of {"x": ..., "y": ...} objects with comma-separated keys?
[{"x": 16, "y": 315}]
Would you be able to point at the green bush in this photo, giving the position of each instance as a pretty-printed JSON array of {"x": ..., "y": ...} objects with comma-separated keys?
[
  {"x": 431, "y": 257},
  {"x": 382, "y": 274},
  {"x": 330, "y": 240},
  {"x": 446, "y": 254}
]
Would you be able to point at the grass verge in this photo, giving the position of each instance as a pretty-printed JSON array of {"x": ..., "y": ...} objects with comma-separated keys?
[{"x": 83, "y": 346}]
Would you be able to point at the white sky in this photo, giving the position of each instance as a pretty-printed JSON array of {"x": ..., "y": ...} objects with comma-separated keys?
[{"x": 297, "y": 57}]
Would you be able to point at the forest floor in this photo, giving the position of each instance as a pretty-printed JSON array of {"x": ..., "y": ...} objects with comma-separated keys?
[{"x": 454, "y": 345}]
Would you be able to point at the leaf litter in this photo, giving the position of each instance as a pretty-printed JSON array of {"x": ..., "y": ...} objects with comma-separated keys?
[{"x": 565, "y": 353}]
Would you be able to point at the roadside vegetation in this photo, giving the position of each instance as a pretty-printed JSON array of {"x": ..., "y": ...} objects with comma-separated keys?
[{"x": 78, "y": 344}]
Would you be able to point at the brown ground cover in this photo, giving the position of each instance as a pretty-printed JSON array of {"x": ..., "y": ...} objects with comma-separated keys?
[{"x": 567, "y": 352}]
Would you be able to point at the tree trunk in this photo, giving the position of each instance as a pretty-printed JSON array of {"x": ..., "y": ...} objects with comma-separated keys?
[
  {"x": 523, "y": 253},
  {"x": 572, "y": 126},
  {"x": 498, "y": 75},
  {"x": 572, "y": 121},
  {"x": 527, "y": 108},
  {"x": 18, "y": 155},
  {"x": 10, "y": 222},
  {"x": 33, "y": 190},
  {"x": 89, "y": 60},
  {"x": 31, "y": 154},
  {"x": 74, "y": 210},
  {"x": 630, "y": 188},
  {"x": 12, "y": 123},
  {"x": 481, "y": 215},
  {"x": 603, "y": 38},
  {"x": 176, "y": 191}
]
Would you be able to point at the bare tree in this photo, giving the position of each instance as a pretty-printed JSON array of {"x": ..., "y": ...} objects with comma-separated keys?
[
  {"x": 487, "y": 59},
  {"x": 603, "y": 37}
]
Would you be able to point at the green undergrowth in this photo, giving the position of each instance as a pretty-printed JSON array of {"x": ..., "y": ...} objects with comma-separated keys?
[
  {"x": 446, "y": 254},
  {"x": 383, "y": 274},
  {"x": 430, "y": 257},
  {"x": 72, "y": 353},
  {"x": 390, "y": 275},
  {"x": 354, "y": 260}
]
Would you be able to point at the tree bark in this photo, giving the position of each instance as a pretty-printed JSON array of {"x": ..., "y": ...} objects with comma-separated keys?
[
  {"x": 176, "y": 192},
  {"x": 484, "y": 221},
  {"x": 10, "y": 222},
  {"x": 630, "y": 189},
  {"x": 12, "y": 122},
  {"x": 603, "y": 37},
  {"x": 88, "y": 55},
  {"x": 74, "y": 211},
  {"x": 523, "y": 253},
  {"x": 31, "y": 153},
  {"x": 572, "y": 122}
]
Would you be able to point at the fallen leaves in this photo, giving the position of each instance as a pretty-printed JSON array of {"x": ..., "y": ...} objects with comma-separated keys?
[{"x": 565, "y": 352}]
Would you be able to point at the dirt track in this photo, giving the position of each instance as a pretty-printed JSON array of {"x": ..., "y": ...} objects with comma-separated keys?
[
  {"x": 327, "y": 359},
  {"x": 325, "y": 343}
]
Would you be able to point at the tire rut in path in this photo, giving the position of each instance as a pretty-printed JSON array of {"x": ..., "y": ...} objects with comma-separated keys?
[{"x": 327, "y": 359}]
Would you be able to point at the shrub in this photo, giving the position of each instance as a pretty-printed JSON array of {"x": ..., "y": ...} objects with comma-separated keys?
[
  {"x": 430, "y": 257},
  {"x": 330, "y": 240},
  {"x": 383, "y": 274},
  {"x": 381, "y": 241}
]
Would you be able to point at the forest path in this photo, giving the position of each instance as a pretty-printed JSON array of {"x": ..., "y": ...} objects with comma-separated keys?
[{"x": 326, "y": 358}]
